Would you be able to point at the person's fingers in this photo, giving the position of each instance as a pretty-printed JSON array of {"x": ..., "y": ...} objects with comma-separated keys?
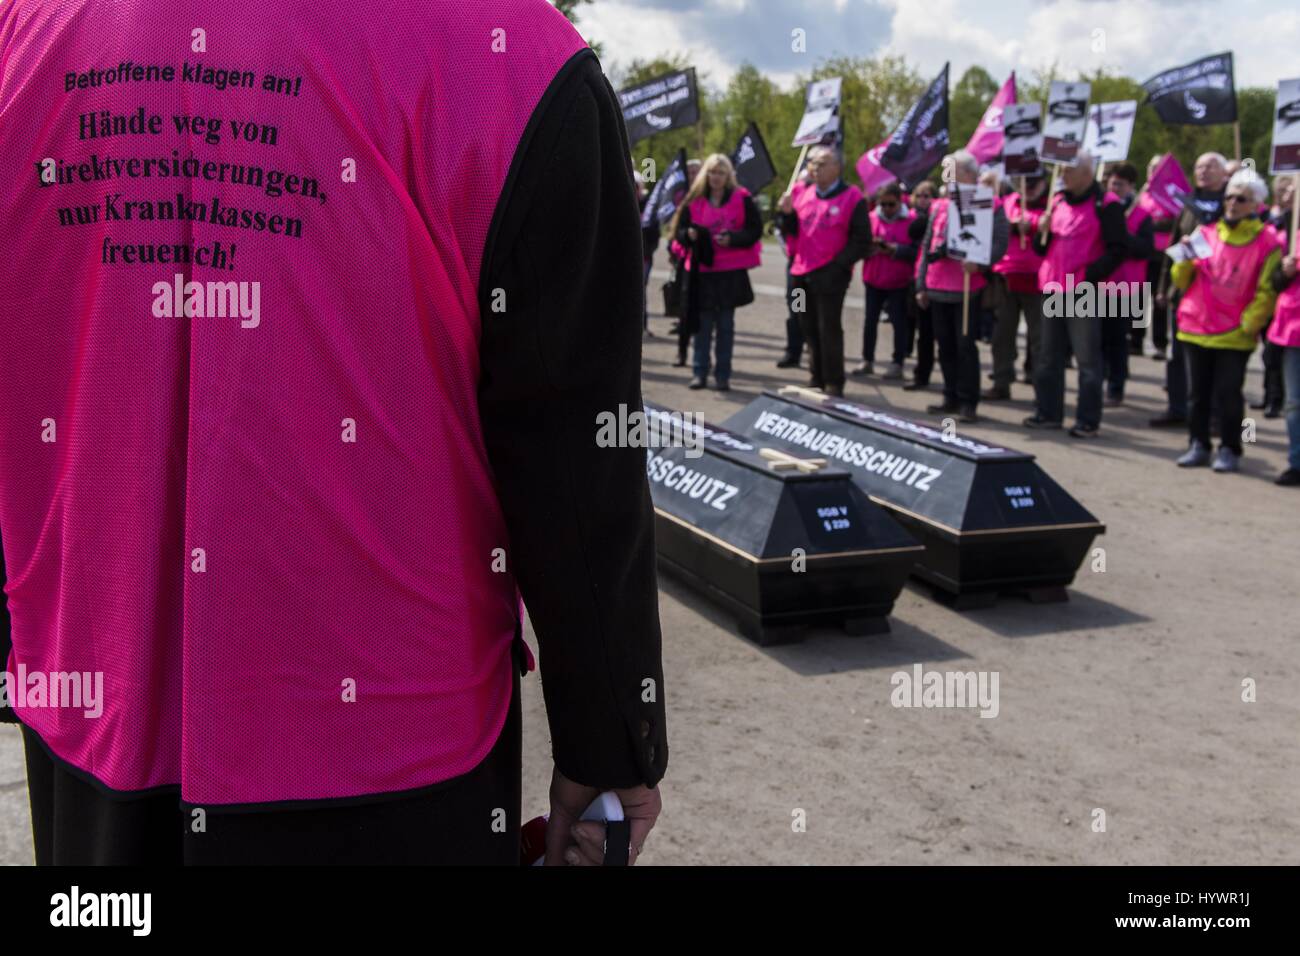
[
  {"x": 589, "y": 839},
  {"x": 640, "y": 828},
  {"x": 558, "y": 840}
]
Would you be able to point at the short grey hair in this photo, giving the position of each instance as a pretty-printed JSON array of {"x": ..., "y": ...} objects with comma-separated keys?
[
  {"x": 1217, "y": 157},
  {"x": 1086, "y": 160},
  {"x": 1251, "y": 182},
  {"x": 965, "y": 160}
]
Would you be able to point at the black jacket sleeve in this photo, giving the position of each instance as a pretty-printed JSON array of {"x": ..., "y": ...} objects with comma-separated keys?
[
  {"x": 1115, "y": 239},
  {"x": 752, "y": 231},
  {"x": 788, "y": 223},
  {"x": 859, "y": 237},
  {"x": 565, "y": 247}
]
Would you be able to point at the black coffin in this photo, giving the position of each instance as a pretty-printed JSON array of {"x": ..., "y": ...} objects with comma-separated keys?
[
  {"x": 991, "y": 520},
  {"x": 728, "y": 522}
]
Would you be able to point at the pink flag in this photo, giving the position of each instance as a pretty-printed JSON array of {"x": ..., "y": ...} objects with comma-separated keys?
[
  {"x": 872, "y": 174},
  {"x": 1168, "y": 185},
  {"x": 986, "y": 142}
]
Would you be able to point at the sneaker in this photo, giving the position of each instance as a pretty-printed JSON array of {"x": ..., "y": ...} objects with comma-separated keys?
[
  {"x": 968, "y": 414},
  {"x": 998, "y": 393},
  {"x": 943, "y": 408},
  {"x": 863, "y": 368},
  {"x": 1167, "y": 420},
  {"x": 1227, "y": 460},
  {"x": 915, "y": 386},
  {"x": 895, "y": 370},
  {"x": 1084, "y": 431},
  {"x": 1196, "y": 456},
  {"x": 697, "y": 382},
  {"x": 722, "y": 385},
  {"x": 1038, "y": 421},
  {"x": 1289, "y": 477},
  {"x": 788, "y": 362}
]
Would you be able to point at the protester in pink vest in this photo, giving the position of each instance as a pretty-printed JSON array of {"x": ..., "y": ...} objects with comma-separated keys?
[
  {"x": 1016, "y": 278},
  {"x": 939, "y": 287},
  {"x": 1129, "y": 275},
  {"x": 1284, "y": 335},
  {"x": 292, "y": 421},
  {"x": 831, "y": 232},
  {"x": 887, "y": 275},
  {"x": 1227, "y": 300},
  {"x": 720, "y": 228},
  {"x": 1162, "y": 225},
  {"x": 1278, "y": 219},
  {"x": 920, "y": 327},
  {"x": 1083, "y": 240},
  {"x": 677, "y": 259},
  {"x": 793, "y": 328}
]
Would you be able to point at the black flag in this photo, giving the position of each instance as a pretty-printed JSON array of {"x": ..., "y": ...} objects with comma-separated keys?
[
  {"x": 754, "y": 168},
  {"x": 1198, "y": 94},
  {"x": 921, "y": 139},
  {"x": 656, "y": 106},
  {"x": 668, "y": 192}
]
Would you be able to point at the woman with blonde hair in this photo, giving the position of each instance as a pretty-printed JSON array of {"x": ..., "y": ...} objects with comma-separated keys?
[{"x": 719, "y": 226}]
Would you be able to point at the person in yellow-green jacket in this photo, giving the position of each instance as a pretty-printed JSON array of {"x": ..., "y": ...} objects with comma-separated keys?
[{"x": 1228, "y": 298}]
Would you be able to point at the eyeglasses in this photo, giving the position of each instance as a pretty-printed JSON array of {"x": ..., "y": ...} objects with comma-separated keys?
[
  {"x": 1236, "y": 197},
  {"x": 890, "y": 204}
]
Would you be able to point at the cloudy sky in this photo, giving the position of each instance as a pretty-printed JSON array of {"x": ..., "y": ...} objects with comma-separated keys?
[{"x": 1134, "y": 37}]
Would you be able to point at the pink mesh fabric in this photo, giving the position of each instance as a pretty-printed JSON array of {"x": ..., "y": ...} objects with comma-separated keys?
[{"x": 329, "y": 564}]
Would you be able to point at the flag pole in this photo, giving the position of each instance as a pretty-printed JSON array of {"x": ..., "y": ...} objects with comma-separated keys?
[
  {"x": 965, "y": 301},
  {"x": 1045, "y": 224},
  {"x": 1024, "y": 206},
  {"x": 1236, "y": 138},
  {"x": 1295, "y": 211},
  {"x": 797, "y": 167}
]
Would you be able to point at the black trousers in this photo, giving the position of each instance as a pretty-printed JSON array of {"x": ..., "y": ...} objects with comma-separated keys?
[
  {"x": 959, "y": 356},
  {"x": 1215, "y": 378},
  {"x": 823, "y": 331},
  {"x": 468, "y": 820},
  {"x": 921, "y": 325},
  {"x": 793, "y": 327}
]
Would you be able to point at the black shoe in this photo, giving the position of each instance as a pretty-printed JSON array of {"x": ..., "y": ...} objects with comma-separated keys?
[
  {"x": 1273, "y": 410},
  {"x": 813, "y": 383},
  {"x": 1259, "y": 405},
  {"x": 681, "y": 362},
  {"x": 1084, "y": 431},
  {"x": 1168, "y": 420},
  {"x": 722, "y": 385},
  {"x": 1289, "y": 477},
  {"x": 943, "y": 408},
  {"x": 915, "y": 386},
  {"x": 835, "y": 391},
  {"x": 998, "y": 393},
  {"x": 1114, "y": 401},
  {"x": 788, "y": 362},
  {"x": 968, "y": 414},
  {"x": 696, "y": 383},
  {"x": 1038, "y": 421},
  {"x": 1134, "y": 349}
]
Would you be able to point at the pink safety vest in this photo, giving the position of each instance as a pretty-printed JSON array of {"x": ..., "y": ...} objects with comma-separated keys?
[
  {"x": 1224, "y": 284},
  {"x": 715, "y": 219},
  {"x": 1018, "y": 261},
  {"x": 279, "y": 612},
  {"x": 1133, "y": 270},
  {"x": 882, "y": 270},
  {"x": 1285, "y": 327},
  {"x": 1076, "y": 240},
  {"x": 1162, "y": 239},
  {"x": 823, "y": 227},
  {"x": 944, "y": 275}
]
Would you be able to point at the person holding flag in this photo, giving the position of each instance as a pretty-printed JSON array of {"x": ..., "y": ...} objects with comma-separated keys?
[
  {"x": 720, "y": 228},
  {"x": 1227, "y": 300},
  {"x": 886, "y": 274},
  {"x": 1133, "y": 270},
  {"x": 1082, "y": 239},
  {"x": 1017, "y": 275},
  {"x": 831, "y": 232},
  {"x": 939, "y": 286}
]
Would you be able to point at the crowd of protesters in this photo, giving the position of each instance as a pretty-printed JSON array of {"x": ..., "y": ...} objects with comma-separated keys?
[{"x": 1230, "y": 286}]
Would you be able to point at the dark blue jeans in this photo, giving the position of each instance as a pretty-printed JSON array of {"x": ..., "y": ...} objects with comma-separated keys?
[
  {"x": 1084, "y": 336},
  {"x": 1114, "y": 350},
  {"x": 724, "y": 321},
  {"x": 1291, "y": 370},
  {"x": 895, "y": 302}
]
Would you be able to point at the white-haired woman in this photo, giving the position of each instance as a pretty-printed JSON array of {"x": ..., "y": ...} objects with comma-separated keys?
[
  {"x": 1228, "y": 298},
  {"x": 720, "y": 227}
]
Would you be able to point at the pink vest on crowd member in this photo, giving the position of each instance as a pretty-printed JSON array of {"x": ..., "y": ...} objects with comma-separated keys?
[
  {"x": 1162, "y": 239},
  {"x": 1133, "y": 270},
  {"x": 201, "y": 529},
  {"x": 788, "y": 239},
  {"x": 883, "y": 270},
  {"x": 1018, "y": 261},
  {"x": 1224, "y": 283},
  {"x": 944, "y": 275},
  {"x": 1076, "y": 240},
  {"x": 731, "y": 217},
  {"x": 823, "y": 227},
  {"x": 1285, "y": 327}
]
